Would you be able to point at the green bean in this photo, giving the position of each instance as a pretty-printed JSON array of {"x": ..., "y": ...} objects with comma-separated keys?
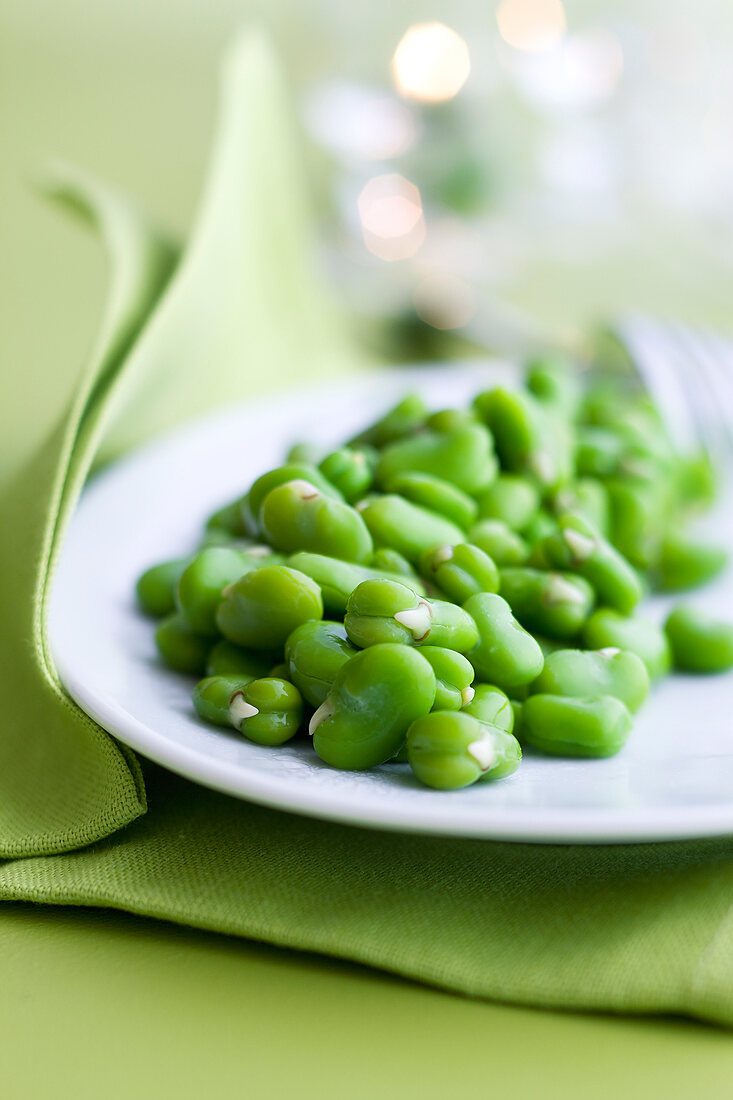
[
  {"x": 453, "y": 674},
  {"x": 436, "y": 494},
  {"x": 696, "y": 481},
  {"x": 699, "y": 642},
  {"x": 351, "y": 470},
  {"x": 450, "y": 749},
  {"x": 512, "y": 420},
  {"x": 587, "y": 498},
  {"x": 555, "y": 604},
  {"x": 464, "y": 457},
  {"x": 179, "y": 647},
  {"x": 293, "y": 471},
  {"x": 522, "y": 511},
  {"x": 403, "y": 420},
  {"x": 490, "y": 705},
  {"x": 529, "y": 439},
  {"x": 388, "y": 611},
  {"x": 644, "y": 433},
  {"x": 447, "y": 420},
  {"x": 227, "y": 659},
  {"x": 156, "y": 587},
  {"x": 578, "y": 547},
  {"x": 374, "y": 699},
  {"x": 554, "y": 381},
  {"x": 263, "y": 607},
  {"x": 213, "y": 695},
  {"x": 539, "y": 527},
  {"x": 510, "y": 498},
  {"x": 460, "y": 571},
  {"x": 598, "y": 452},
  {"x": 202, "y": 582},
  {"x": 507, "y": 753},
  {"x": 637, "y": 635},
  {"x": 517, "y": 708},
  {"x": 239, "y": 519},
  {"x": 314, "y": 653},
  {"x": 504, "y": 546},
  {"x": 505, "y": 654},
  {"x": 303, "y": 454},
  {"x": 610, "y": 671},
  {"x": 267, "y": 711},
  {"x": 296, "y": 516},
  {"x": 638, "y": 519},
  {"x": 607, "y": 397},
  {"x": 338, "y": 579},
  {"x": 217, "y": 536},
  {"x": 686, "y": 563},
  {"x": 387, "y": 561},
  {"x": 228, "y": 520},
  {"x": 593, "y": 726},
  {"x": 397, "y": 523}
]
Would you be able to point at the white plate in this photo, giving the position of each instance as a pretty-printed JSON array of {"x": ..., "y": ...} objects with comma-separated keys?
[{"x": 674, "y": 779}]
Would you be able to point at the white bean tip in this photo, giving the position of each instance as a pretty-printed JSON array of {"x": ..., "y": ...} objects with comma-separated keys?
[
  {"x": 483, "y": 751},
  {"x": 442, "y": 554},
  {"x": 240, "y": 710},
  {"x": 326, "y": 710},
  {"x": 305, "y": 489},
  {"x": 581, "y": 546},
  {"x": 416, "y": 619}
]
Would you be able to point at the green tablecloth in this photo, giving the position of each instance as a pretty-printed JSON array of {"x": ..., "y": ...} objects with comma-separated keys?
[{"x": 91, "y": 975}]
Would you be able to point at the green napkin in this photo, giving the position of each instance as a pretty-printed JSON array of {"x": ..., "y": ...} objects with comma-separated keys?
[
  {"x": 645, "y": 928},
  {"x": 241, "y": 311},
  {"x": 636, "y": 928},
  {"x": 63, "y": 780}
]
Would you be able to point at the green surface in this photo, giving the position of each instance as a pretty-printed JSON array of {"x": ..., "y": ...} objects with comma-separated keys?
[
  {"x": 100, "y": 1004},
  {"x": 93, "y": 1003}
]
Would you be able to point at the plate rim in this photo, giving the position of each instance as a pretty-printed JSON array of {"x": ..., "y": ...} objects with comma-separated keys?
[{"x": 206, "y": 771}]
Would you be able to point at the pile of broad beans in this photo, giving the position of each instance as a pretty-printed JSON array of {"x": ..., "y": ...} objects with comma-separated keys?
[{"x": 450, "y": 586}]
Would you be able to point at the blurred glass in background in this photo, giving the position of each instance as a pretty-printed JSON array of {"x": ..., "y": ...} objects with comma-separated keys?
[
  {"x": 479, "y": 170},
  {"x": 503, "y": 161}
]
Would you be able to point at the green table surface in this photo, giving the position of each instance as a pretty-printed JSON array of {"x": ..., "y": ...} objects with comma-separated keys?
[
  {"x": 98, "y": 1004},
  {"x": 94, "y": 1003}
]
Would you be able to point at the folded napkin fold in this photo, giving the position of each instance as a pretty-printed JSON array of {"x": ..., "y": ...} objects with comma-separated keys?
[
  {"x": 636, "y": 928},
  {"x": 625, "y": 928}
]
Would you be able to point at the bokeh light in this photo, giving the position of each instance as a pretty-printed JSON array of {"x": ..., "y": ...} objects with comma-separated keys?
[
  {"x": 531, "y": 25},
  {"x": 391, "y": 215},
  {"x": 582, "y": 70},
  {"x": 360, "y": 123},
  {"x": 583, "y": 133},
  {"x": 431, "y": 63},
  {"x": 444, "y": 301},
  {"x": 579, "y": 159}
]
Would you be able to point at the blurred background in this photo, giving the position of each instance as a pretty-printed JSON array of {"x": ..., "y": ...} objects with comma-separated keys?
[{"x": 478, "y": 170}]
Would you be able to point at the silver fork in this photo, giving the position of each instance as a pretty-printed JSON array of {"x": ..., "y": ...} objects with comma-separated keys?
[{"x": 688, "y": 372}]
